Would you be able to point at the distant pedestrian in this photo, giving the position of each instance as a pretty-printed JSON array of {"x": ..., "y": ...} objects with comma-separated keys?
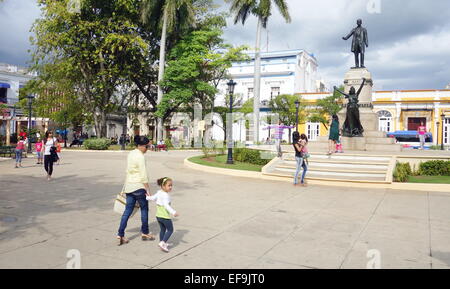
[
  {"x": 136, "y": 189},
  {"x": 301, "y": 156},
  {"x": 164, "y": 212},
  {"x": 279, "y": 132},
  {"x": 20, "y": 148},
  {"x": 421, "y": 132},
  {"x": 50, "y": 156},
  {"x": 38, "y": 147},
  {"x": 58, "y": 151},
  {"x": 334, "y": 134}
]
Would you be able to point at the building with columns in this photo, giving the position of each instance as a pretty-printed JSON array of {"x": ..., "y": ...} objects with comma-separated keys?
[
  {"x": 12, "y": 119},
  {"x": 399, "y": 110}
]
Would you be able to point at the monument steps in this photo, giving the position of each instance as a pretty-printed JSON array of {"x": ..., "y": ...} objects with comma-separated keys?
[{"x": 340, "y": 168}]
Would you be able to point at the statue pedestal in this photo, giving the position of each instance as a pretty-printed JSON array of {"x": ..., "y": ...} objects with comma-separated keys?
[{"x": 373, "y": 139}]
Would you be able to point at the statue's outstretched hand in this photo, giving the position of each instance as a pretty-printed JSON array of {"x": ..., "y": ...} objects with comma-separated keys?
[{"x": 343, "y": 38}]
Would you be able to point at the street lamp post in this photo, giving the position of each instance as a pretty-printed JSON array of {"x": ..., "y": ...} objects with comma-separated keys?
[
  {"x": 297, "y": 106},
  {"x": 65, "y": 129},
  {"x": 443, "y": 126},
  {"x": 30, "y": 103},
  {"x": 231, "y": 84}
]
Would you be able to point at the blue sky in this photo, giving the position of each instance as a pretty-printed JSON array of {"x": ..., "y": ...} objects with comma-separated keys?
[{"x": 409, "y": 40}]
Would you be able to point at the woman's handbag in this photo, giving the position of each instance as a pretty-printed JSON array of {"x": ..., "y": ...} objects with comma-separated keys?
[{"x": 121, "y": 202}]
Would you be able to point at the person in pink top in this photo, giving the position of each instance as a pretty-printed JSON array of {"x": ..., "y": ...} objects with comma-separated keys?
[
  {"x": 421, "y": 131},
  {"x": 39, "y": 151},
  {"x": 20, "y": 148}
]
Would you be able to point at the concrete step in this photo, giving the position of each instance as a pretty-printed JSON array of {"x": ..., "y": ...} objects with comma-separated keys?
[
  {"x": 378, "y": 140},
  {"x": 327, "y": 177},
  {"x": 341, "y": 162},
  {"x": 380, "y": 134},
  {"x": 351, "y": 170},
  {"x": 384, "y": 147}
]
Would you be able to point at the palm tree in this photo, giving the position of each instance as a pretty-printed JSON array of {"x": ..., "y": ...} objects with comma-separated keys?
[
  {"x": 262, "y": 9},
  {"x": 174, "y": 12}
]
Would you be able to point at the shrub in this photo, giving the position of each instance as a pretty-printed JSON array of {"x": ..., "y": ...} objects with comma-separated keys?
[
  {"x": 402, "y": 172},
  {"x": 99, "y": 144},
  {"x": 249, "y": 156},
  {"x": 435, "y": 168},
  {"x": 168, "y": 143}
]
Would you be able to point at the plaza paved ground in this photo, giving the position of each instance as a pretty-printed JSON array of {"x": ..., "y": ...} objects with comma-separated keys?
[{"x": 225, "y": 222}]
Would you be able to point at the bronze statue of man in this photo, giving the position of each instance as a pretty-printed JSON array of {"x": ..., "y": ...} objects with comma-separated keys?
[{"x": 359, "y": 44}]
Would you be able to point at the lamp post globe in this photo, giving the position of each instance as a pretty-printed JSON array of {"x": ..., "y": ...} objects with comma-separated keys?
[{"x": 231, "y": 85}]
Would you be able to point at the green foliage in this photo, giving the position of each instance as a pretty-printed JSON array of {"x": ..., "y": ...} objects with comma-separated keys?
[
  {"x": 100, "y": 144},
  {"x": 86, "y": 56},
  {"x": 262, "y": 9},
  {"x": 327, "y": 107},
  {"x": 168, "y": 143},
  {"x": 435, "y": 168},
  {"x": 195, "y": 67},
  {"x": 402, "y": 172},
  {"x": 249, "y": 156}
]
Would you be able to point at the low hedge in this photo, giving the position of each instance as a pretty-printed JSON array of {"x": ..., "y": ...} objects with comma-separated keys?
[
  {"x": 435, "y": 168},
  {"x": 98, "y": 144},
  {"x": 250, "y": 156},
  {"x": 403, "y": 171}
]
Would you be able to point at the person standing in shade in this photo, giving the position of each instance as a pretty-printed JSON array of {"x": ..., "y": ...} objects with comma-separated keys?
[
  {"x": 136, "y": 189},
  {"x": 334, "y": 134},
  {"x": 49, "y": 148},
  {"x": 20, "y": 148},
  {"x": 421, "y": 132}
]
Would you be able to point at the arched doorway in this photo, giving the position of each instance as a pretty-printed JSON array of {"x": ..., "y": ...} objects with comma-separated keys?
[{"x": 385, "y": 121}]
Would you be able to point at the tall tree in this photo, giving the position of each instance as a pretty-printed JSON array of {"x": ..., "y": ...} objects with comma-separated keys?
[
  {"x": 284, "y": 106},
  {"x": 92, "y": 49},
  {"x": 262, "y": 9},
  {"x": 196, "y": 66},
  {"x": 173, "y": 11}
]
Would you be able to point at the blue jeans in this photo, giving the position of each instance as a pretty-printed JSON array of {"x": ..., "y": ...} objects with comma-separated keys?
[
  {"x": 166, "y": 226},
  {"x": 140, "y": 197},
  {"x": 301, "y": 163},
  {"x": 19, "y": 156}
]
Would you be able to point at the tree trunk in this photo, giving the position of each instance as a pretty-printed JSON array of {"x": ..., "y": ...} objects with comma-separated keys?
[
  {"x": 100, "y": 124},
  {"x": 162, "y": 64},
  {"x": 257, "y": 83}
]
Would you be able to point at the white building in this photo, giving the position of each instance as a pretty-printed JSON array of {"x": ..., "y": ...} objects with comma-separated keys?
[{"x": 282, "y": 72}]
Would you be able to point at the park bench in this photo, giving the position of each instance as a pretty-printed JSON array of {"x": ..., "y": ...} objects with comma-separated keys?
[{"x": 7, "y": 151}]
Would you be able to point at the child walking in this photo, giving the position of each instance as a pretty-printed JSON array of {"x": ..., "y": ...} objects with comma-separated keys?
[
  {"x": 164, "y": 211},
  {"x": 20, "y": 148}
]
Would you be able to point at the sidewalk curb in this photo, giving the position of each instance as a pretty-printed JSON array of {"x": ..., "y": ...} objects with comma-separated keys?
[{"x": 257, "y": 175}]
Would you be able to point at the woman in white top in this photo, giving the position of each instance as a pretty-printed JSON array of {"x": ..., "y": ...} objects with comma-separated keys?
[
  {"x": 137, "y": 189},
  {"x": 49, "y": 149}
]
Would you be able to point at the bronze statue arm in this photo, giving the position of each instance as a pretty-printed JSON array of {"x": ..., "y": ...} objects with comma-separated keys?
[
  {"x": 346, "y": 95},
  {"x": 350, "y": 35},
  {"x": 361, "y": 88}
]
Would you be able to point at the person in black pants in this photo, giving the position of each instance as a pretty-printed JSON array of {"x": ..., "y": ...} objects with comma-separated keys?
[{"x": 49, "y": 147}]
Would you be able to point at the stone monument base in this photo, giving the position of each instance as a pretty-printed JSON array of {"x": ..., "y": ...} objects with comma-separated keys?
[{"x": 372, "y": 139}]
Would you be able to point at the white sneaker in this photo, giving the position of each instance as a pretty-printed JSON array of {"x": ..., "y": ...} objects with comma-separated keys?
[{"x": 163, "y": 247}]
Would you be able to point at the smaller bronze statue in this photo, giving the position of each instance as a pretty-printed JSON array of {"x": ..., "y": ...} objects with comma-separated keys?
[
  {"x": 352, "y": 126},
  {"x": 359, "y": 43}
]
